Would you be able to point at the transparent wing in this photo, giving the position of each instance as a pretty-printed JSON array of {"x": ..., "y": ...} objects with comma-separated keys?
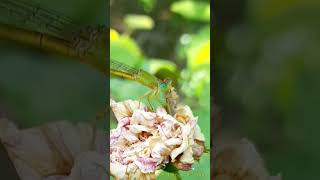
[
  {"x": 117, "y": 66},
  {"x": 31, "y": 16}
]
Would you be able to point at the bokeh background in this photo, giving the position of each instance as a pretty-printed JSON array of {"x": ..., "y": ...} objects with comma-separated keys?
[
  {"x": 38, "y": 87},
  {"x": 267, "y": 80},
  {"x": 168, "y": 39}
]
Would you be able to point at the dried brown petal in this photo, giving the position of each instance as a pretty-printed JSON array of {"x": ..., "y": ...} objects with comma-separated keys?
[{"x": 183, "y": 166}]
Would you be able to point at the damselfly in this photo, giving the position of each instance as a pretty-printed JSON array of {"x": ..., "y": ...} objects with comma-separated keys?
[
  {"x": 159, "y": 87},
  {"x": 29, "y": 24}
]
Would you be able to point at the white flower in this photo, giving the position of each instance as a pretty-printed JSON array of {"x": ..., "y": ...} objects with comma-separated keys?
[{"x": 145, "y": 141}]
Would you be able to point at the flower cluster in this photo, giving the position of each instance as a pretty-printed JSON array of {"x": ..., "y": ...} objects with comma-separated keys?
[{"x": 145, "y": 141}]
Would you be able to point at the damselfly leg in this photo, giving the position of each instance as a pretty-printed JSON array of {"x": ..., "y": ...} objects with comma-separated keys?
[{"x": 150, "y": 95}]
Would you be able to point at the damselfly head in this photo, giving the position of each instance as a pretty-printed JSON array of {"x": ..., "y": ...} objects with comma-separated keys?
[{"x": 166, "y": 84}]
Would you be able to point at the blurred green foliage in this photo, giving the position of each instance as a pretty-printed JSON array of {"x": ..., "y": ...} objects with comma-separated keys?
[
  {"x": 135, "y": 22},
  {"x": 177, "y": 46},
  {"x": 193, "y": 10},
  {"x": 268, "y": 80}
]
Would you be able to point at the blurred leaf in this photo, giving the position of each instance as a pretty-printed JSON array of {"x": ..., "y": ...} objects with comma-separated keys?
[
  {"x": 148, "y": 5},
  {"x": 200, "y": 170},
  {"x": 200, "y": 55},
  {"x": 165, "y": 73},
  {"x": 157, "y": 64},
  {"x": 137, "y": 21},
  {"x": 114, "y": 35},
  {"x": 163, "y": 69},
  {"x": 126, "y": 50},
  {"x": 197, "y": 49},
  {"x": 119, "y": 89},
  {"x": 193, "y": 10},
  {"x": 170, "y": 168},
  {"x": 194, "y": 82},
  {"x": 122, "y": 89},
  {"x": 202, "y": 34},
  {"x": 113, "y": 123}
]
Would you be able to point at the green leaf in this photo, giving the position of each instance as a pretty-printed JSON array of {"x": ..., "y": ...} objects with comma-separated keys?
[
  {"x": 163, "y": 69},
  {"x": 198, "y": 51},
  {"x": 137, "y": 21},
  {"x": 193, "y": 10},
  {"x": 127, "y": 51},
  {"x": 148, "y": 5},
  {"x": 199, "y": 55},
  {"x": 170, "y": 168},
  {"x": 156, "y": 64},
  {"x": 119, "y": 89}
]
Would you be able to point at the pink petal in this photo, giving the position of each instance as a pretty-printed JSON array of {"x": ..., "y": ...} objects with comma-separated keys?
[{"x": 146, "y": 165}]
